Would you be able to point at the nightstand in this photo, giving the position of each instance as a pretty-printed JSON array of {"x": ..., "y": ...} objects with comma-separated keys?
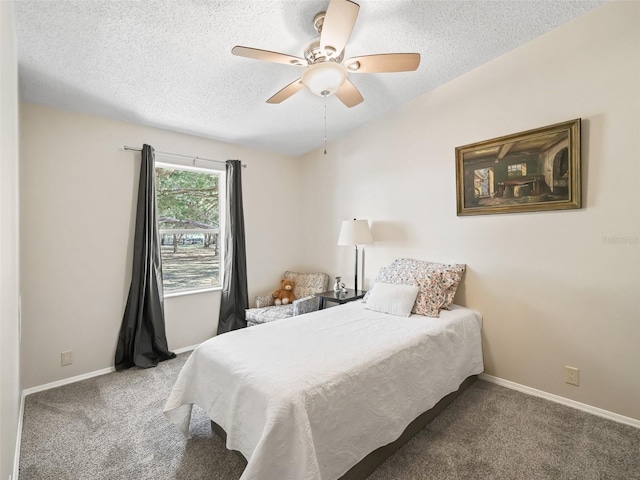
[{"x": 340, "y": 297}]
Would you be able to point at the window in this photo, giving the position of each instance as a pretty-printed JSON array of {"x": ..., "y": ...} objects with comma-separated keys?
[
  {"x": 482, "y": 182},
  {"x": 517, "y": 170},
  {"x": 188, "y": 213}
]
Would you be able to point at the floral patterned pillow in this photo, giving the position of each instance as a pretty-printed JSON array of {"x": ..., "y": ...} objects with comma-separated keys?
[
  {"x": 450, "y": 274},
  {"x": 431, "y": 296},
  {"x": 437, "y": 283},
  {"x": 383, "y": 274}
]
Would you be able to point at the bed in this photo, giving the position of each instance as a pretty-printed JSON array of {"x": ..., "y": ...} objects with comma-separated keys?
[{"x": 311, "y": 397}]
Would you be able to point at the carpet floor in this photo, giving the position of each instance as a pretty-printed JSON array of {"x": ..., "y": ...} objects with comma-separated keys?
[{"x": 112, "y": 427}]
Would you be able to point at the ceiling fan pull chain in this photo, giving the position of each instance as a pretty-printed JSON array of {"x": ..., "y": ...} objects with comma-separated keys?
[{"x": 324, "y": 94}]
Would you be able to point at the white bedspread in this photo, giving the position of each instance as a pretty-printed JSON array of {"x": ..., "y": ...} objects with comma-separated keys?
[{"x": 308, "y": 397}]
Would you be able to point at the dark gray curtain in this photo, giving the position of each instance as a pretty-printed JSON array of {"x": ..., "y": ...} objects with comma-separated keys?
[
  {"x": 142, "y": 341},
  {"x": 235, "y": 295}
]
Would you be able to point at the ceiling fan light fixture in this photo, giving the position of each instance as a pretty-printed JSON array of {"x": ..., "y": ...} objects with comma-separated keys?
[
  {"x": 324, "y": 72},
  {"x": 324, "y": 78}
]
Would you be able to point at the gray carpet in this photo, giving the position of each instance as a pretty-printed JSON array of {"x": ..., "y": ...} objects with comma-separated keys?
[{"x": 112, "y": 427}]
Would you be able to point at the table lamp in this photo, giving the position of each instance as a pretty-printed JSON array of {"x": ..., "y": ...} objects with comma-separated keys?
[{"x": 355, "y": 232}]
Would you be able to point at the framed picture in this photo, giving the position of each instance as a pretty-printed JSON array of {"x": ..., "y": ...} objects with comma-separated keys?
[{"x": 523, "y": 172}]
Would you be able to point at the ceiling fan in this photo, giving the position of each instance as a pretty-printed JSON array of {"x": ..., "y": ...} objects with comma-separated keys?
[{"x": 324, "y": 72}]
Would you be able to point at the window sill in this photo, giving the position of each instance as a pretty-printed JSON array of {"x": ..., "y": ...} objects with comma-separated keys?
[{"x": 192, "y": 292}]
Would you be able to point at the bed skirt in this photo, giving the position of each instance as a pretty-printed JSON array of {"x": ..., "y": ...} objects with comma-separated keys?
[{"x": 368, "y": 464}]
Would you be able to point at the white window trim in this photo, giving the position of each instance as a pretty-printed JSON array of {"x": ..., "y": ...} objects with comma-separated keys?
[
  {"x": 222, "y": 193},
  {"x": 184, "y": 165},
  {"x": 182, "y": 293}
]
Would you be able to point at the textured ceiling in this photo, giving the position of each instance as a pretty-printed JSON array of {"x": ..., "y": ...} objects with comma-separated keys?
[{"x": 168, "y": 64}]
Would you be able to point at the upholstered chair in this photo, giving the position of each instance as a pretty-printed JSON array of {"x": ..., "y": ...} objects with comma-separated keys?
[{"x": 306, "y": 286}]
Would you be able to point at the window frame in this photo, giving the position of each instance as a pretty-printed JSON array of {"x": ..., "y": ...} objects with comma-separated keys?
[
  {"x": 212, "y": 168},
  {"x": 517, "y": 169}
]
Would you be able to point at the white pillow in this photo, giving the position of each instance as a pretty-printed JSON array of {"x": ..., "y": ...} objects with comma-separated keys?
[{"x": 396, "y": 299}]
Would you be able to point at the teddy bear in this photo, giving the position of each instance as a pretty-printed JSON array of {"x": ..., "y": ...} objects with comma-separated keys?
[{"x": 284, "y": 295}]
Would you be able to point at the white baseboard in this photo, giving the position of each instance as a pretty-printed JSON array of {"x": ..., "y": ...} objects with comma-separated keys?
[
  {"x": 16, "y": 456},
  {"x": 185, "y": 349},
  {"x": 67, "y": 381},
  {"x": 562, "y": 400},
  {"x": 84, "y": 376}
]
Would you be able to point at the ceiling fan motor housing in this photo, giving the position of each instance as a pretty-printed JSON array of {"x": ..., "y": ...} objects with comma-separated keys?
[{"x": 313, "y": 52}]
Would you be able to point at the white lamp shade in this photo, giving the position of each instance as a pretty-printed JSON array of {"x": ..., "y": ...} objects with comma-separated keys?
[
  {"x": 324, "y": 77},
  {"x": 355, "y": 232}
]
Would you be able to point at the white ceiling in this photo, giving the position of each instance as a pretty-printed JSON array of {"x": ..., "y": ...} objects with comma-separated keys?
[{"x": 168, "y": 64}]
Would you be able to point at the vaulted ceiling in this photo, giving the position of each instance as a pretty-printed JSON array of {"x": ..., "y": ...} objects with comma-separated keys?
[{"x": 168, "y": 64}]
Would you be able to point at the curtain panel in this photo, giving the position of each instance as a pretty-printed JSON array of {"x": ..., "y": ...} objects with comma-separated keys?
[
  {"x": 235, "y": 295},
  {"x": 142, "y": 341}
]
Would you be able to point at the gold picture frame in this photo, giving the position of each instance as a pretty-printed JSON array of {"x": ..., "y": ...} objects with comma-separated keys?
[{"x": 528, "y": 171}]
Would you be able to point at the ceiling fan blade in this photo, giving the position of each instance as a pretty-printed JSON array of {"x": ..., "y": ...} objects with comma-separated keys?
[
  {"x": 287, "y": 91},
  {"x": 349, "y": 94},
  {"x": 268, "y": 56},
  {"x": 383, "y": 62},
  {"x": 338, "y": 23}
]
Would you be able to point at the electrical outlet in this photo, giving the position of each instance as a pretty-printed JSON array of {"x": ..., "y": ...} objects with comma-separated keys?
[
  {"x": 66, "y": 358},
  {"x": 572, "y": 376}
]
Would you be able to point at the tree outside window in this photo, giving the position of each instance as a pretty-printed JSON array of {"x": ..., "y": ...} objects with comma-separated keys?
[{"x": 188, "y": 206}]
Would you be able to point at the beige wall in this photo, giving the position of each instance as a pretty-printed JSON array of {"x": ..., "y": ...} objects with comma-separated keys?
[
  {"x": 78, "y": 191},
  {"x": 10, "y": 391},
  {"x": 553, "y": 292}
]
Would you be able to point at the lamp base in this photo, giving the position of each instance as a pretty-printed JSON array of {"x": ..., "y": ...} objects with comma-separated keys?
[{"x": 355, "y": 276}]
